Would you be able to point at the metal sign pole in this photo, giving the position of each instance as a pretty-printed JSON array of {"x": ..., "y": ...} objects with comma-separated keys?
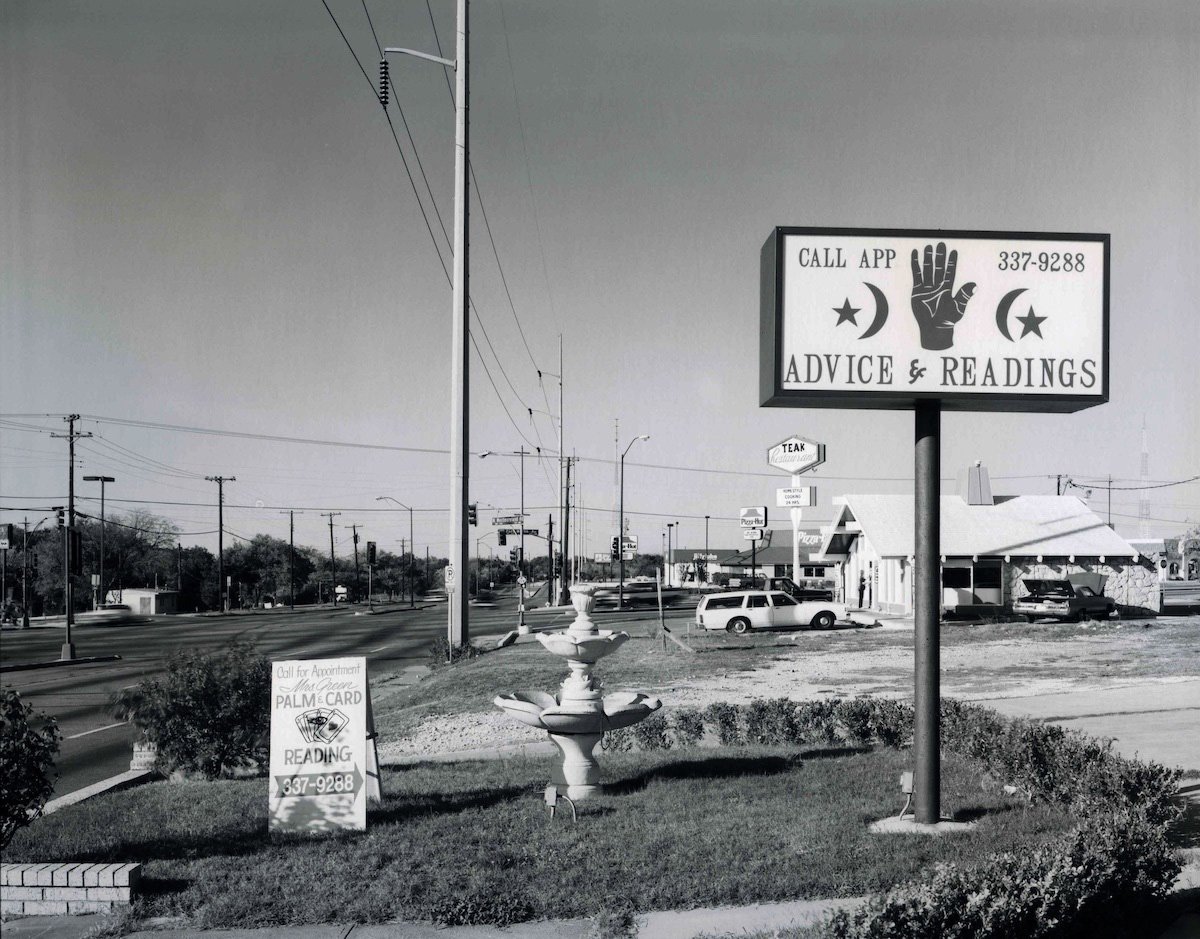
[{"x": 926, "y": 609}]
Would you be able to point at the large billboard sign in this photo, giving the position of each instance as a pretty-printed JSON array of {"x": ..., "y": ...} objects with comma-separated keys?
[{"x": 982, "y": 321}]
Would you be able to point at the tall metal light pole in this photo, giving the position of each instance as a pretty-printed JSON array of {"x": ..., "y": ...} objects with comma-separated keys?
[
  {"x": 412, "y": 547},
  {"x": 222, "y": 593},
  {"x": 457, "y": 621},
  {"x": 621, "y": 525},
  {"x": 101, "y": 480}
]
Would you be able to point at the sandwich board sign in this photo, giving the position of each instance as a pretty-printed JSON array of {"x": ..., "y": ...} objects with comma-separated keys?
[{"x": 324, "y": 764}]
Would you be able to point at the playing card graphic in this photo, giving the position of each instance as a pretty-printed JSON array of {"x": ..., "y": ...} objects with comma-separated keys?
[
  {"x": 334, "y": 721},
  {"x": 321, "y": 725}
]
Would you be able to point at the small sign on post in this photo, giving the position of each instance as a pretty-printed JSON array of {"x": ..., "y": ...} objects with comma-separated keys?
[{"x": 754, "y": 516}]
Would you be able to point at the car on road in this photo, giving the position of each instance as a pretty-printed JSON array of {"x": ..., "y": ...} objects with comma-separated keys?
[
  {"x": 741, "y": 610},
  {"x": 108, "y": 614},
  {"x": 1062, "y": 600}
]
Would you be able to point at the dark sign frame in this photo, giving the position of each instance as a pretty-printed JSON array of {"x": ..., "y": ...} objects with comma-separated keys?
[{"x": 770, "y": 368}]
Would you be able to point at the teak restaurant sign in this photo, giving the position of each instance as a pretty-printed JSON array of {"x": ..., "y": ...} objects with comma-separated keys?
[{"x": 879, "y": 318}]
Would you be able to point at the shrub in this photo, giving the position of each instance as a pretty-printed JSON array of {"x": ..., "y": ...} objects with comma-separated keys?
[
  {"x": 210, "y": 712},
  {"x": 1079, "y": 885},
  {"x": 772, "y": 722},
  {"x": 687, "y": 724},
  {"x": 442, "y": 654},
  {"x": 26, "y": 763},
  {"x": 816, "y": 721},
  {"x": 619, "y": 741},
  {"x": 502, "y": 905},
  {"x": 651, "y": 734},
  {"x": 724, "y": 719}
]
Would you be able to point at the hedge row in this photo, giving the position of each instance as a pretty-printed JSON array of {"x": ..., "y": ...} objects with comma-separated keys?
[
  {"x": 1113, "y": 864},
  {"x": 1045, "y": 762}
]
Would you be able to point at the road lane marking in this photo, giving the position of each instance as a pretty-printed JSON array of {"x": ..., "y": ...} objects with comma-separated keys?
[
  {"x": 380, "y": 649},
  {"x": 96, "y": 731}
]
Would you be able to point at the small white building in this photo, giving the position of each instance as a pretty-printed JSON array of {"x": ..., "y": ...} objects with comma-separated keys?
[
  {"x": 988, "y": 546},
  {"x": 146, "y": 600}
]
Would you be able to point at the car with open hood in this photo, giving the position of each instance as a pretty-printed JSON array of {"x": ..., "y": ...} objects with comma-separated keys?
[{"x": 1073, "y": 598}]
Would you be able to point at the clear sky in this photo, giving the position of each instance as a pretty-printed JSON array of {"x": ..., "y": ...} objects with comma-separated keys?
[{"x": 205, "y": 223}]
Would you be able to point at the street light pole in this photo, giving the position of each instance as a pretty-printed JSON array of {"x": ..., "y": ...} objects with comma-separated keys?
[
  {"x": 667, "y": 560},
  {"x": 621, "y": 526},
  {"x": 412, "y": 548},
  {"x": 457, "y": 619},
  {"x": 522, "y": 628},
  {"x": 101, "y": 480}
]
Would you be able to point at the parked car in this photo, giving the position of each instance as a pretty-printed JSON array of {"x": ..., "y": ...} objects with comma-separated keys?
[
  {"x": 742, "y": 610},
  {"x": 1062, "y": 600}
]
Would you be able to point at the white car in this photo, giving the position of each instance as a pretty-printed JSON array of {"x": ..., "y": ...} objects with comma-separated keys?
[{"x": 742, "y": 610}]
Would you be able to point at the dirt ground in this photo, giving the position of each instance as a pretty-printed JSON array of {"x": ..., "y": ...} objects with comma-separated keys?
[{"x": 1136, "y": 681}]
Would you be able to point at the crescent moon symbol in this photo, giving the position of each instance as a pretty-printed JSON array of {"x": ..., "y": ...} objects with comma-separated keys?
[
  {"x": 1002, "y": 312},
  {"x": 881, "y": 311}
]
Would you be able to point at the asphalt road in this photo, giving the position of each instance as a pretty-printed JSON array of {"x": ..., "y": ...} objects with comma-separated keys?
[{"x": 96, "y": 747}]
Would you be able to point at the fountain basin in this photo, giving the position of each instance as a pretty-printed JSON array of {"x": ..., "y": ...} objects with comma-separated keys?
[
  {"x": 544, "y": 711},
  {"x": 588, "y": 647}
]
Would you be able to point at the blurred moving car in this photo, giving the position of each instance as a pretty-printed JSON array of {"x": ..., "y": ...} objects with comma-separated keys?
[
  {"x": 1063, "y": 600},
  {"x": 742, "y": 610},
  {"x": 108, "y": 614}
]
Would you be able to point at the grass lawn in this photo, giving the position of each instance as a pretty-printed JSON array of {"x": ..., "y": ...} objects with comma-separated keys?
[{"x": 475, "y": 841}]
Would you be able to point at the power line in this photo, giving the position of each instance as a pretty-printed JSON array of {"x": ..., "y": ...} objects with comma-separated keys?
[{"x": 1178, "y": 482}]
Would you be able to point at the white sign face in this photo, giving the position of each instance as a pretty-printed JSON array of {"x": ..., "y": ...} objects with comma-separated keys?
[
  {"x": 752, "y": 534},
  {"x": 753, "y": 516},
  {"x": 704, "y": 557},
  {"x": 979, "y": 320},
  {"x": 449, "y": 573},
  {"x": 629, "y": 543},
  {"x": 796, "y": 455},
  {"x": 796, "y": 497},
  {"x": 601, "y": 558},
  {"x": 318, "y": 745}
]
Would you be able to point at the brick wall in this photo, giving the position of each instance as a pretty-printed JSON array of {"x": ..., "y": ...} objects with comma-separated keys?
[{"x": 54, "y": 889}]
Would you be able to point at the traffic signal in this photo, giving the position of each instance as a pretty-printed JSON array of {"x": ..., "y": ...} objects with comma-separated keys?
[
  {"x": 472, "y": 514},
  {"x": 10, "y": 536},
  {"x": 62, "y": 521},
  {"x": 502, "y": 538},
  {"x": 33, "y": 563},
  {"x": 75, "y": 551},
  {"x": 370, "y": 552},
  {"x": 512, "y": 555},
  {"x": 616, "y": 549}
]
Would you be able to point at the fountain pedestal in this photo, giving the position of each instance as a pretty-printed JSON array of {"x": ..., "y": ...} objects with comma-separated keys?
[{"x": 578, "y": 716}]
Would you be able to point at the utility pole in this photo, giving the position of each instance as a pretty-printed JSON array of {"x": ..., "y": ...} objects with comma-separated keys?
[
  {"x": 549, "y": 557},
  {"x": 68, "y": 648},
  {"x": 222, "y": 593},
  {"x": 1058, "y": 484},
  {"x": 25, "y": 574},
  {"x": 291, "y": 514},
  {"x": 357, "y": 570},
  {"x": 460, "y": 546},
  {"x": 564, "y": 595},
  {"x": 410, "y": 578},
  {"x": 332, "y": 558},
  {"x": 1110, "y": 500},
  {"x": 102, "y": 480}
]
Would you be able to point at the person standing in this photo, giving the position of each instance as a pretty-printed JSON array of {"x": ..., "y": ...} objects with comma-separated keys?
[{"x": 862, "y": 589}]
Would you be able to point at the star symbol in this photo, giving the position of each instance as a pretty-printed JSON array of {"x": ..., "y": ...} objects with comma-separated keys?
[
  {"x": 846, "y": 312},
  {"x": 1031, "y": 323}
]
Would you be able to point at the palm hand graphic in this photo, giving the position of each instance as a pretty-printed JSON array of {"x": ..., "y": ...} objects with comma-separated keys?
[{"x": 935, "y": 308}]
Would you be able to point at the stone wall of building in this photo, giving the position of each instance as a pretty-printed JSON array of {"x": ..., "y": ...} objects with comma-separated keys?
[{"x": 1133, "y": 584}]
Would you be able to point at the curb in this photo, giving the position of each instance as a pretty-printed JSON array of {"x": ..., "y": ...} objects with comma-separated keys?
[
  {"x": 57, "y": 662},
  {"x": 126, "y": 780}
]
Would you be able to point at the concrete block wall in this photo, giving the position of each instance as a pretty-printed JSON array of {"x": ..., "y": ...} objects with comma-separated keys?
[
  {"x": 1131, "y": 583},
  {"x": 55, "y": 889}
]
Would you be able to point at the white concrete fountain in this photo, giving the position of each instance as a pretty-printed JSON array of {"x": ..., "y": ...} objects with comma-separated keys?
[{"x": 577, "y": 717}]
